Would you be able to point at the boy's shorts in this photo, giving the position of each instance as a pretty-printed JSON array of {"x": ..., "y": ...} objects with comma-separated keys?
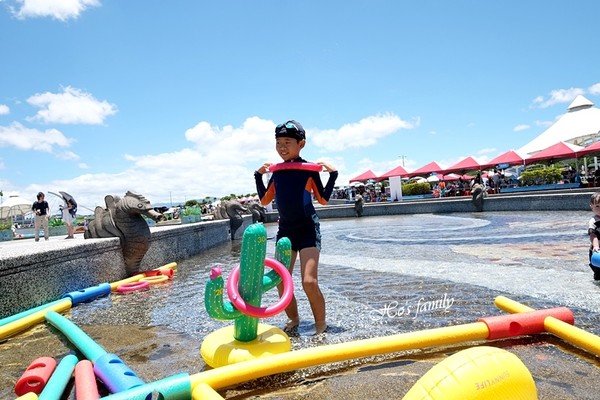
[{"x": 302, "y": 238}]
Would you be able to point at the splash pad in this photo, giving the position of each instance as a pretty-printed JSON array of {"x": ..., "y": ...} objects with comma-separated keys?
[{"x": 81, "y": 310}]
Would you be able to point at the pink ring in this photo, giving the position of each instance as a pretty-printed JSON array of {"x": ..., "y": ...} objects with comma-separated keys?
[
  {"x": 295, "y": 165},
  {"x": 133, "y": 286},
  {"x": 261, "y": 312}
]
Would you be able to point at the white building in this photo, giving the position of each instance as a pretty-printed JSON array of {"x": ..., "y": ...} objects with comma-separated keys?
[{"x": 580, "y": 126}]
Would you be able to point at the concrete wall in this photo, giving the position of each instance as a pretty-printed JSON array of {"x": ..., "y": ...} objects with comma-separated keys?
[{"x": 559, "y": 201}]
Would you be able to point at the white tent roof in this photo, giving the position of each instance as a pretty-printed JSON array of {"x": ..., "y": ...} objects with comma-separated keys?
[{"x": 580, "y": 126}]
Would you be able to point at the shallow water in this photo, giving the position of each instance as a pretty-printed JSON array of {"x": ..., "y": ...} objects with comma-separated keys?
[{"x": 380, "y": 276}]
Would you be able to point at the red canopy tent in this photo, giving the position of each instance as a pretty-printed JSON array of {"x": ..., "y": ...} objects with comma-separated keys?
[
  {"x": 427, "y": 169},
  {"x": 398, "y": 171},
  {"x": 592, "y": 148},
  {"x": 558, "y": 151},
  {"x": 455, "y": 177},
  {"x": 468, "y": 164},
  {"x": 510, "y": 157},
  {"x": 365, "y": 176}
]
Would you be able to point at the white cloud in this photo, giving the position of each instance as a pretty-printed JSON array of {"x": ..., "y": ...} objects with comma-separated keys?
[
  {"x": 254, "y": 141},
  {"x": 16, "y": 135},
  {"x": 521, "y": 127},
  {"x": 594, "y": 89},
  {"x": 220, "y": 161},
  {"x": 72, "y": 106},
  {"x": 557, "y": 97},
  {"x": 364, "y": 133},
  {"x": 68, "y": 155},
  {"x": 61, "y": 10},
  {"x": 4, "y": 110}
]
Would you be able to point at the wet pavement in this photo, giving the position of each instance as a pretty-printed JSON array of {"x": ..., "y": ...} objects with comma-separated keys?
[{"x": 370, "y": 270}]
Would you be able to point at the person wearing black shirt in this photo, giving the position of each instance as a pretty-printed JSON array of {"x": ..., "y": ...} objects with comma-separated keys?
[{"x": 41, "y": 211}]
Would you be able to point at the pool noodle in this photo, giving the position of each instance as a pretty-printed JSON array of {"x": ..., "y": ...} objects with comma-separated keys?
[
  {"x": 59, "y": 379},
  {"x": 109, "y": 368},
  {"x": 90, "y": 349},
  {"x": 569, "y": 333},
  {"x": 85, "y": 381},
  {"x": 34, "y": 318},
  {"x": 248, "y": 370},
  {"x": 23, "y": 320}
]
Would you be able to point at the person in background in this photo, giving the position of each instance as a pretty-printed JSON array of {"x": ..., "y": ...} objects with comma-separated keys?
[
  {"x": 594, "y": 233},
  {"x": 41, "y": 210},
  {"x": 358, "y": 205},
  {"x": 298, "y": 219},
  {"x": 68, "y": 216},
  {"x": 478, "y": 180},
  {"x": 496, "y": 178}
]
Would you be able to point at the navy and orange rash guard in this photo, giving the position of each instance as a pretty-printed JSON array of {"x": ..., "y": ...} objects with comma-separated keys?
[{"x": 292, "y": 191}]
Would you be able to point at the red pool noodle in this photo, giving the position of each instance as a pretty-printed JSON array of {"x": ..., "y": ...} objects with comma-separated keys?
[
  {"x": 85, "y": 381},
  {"x": 35, "y": 376}
]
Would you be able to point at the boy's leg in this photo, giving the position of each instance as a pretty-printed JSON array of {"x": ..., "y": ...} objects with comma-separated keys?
[
  {"x": 292, "y": 309},
  {"x": 309, "y": 262},
  {"x": 36, "y": 224},
  {"x": 45, "y": 225}
]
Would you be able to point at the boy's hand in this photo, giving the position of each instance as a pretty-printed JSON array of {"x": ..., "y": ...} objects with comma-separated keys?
[
  {"x": 264, "y": 168},
  {"x": 328, "y": 167}
]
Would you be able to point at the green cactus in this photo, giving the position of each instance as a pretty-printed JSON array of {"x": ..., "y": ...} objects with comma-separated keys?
[{"x": 252, "y": 284}]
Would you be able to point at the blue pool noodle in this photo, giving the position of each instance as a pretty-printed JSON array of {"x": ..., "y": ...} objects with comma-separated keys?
[
  {"x": 176, "y": 387},
  {"x": 84, "y": 295},
  {"x": 77, "y": 297},
  {"x": 60, "y": 378},
  {"x": 115, "y": 375}
]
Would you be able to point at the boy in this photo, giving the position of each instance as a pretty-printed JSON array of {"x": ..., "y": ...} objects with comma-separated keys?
[
  {"x": 594, "y": 232},
  {"x": 298, "y": 219},
  {"x": 41, "y": 211}
]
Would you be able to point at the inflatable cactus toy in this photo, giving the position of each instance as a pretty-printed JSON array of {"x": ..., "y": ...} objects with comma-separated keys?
[{"x": 247, "y": 338}]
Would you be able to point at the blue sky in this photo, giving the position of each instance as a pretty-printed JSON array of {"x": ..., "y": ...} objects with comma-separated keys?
[{"x": 178, "y": 100}]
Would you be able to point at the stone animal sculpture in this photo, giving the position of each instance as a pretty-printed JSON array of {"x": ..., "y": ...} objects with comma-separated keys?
[
  {"x": 259, "y": 214},
  {"x": 232, "y": 209},
  {"x": 122, "y": 218},
  {"x": 477, "y": 195}
]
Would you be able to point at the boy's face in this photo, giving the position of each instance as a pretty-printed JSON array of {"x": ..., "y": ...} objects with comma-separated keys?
[
  {"x": 595, "y": 208},
  {"x": 288, "y": 148}
]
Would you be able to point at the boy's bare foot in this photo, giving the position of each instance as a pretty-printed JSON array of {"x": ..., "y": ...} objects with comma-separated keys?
[
  {"x": 291, "y": 325},
  {"x": 320, "y": 327}
]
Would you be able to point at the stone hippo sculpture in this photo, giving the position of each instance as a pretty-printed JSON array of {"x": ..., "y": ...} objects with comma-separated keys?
[
  {"x": 232, "y": 209},
  {"x": 478, "y": 193},
  {"x": 122, "y": 218},
  {"x": 259, "y": 214}
]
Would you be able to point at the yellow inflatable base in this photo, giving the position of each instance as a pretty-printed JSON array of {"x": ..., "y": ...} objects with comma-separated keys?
[
  {"x": 219, "y": 348},
  {"x": 478, "y": 373}
]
